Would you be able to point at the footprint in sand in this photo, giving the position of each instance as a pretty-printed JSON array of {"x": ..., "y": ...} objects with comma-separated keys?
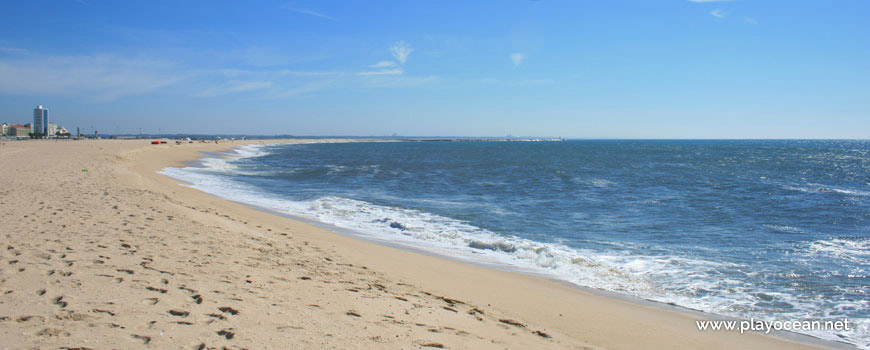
[
  {"x": 60, "y": 302},
  {"x": 144, "y": 339},
  {"x": 178, "y": 313},
  {"x": 226, "y": 333},
  {"x": 229, "y": 310}
]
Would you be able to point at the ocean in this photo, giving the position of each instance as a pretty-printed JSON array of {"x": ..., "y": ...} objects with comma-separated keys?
[{"x": 766, "y": 229}]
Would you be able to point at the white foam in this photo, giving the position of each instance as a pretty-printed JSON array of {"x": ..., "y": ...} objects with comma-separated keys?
[
  {"x": 249, "y": 151},
  {"x": 852, "y": 250},
  {"x": 593, "y": 182},
  {"x": 785, "y": 228},
  {"x": 223, "y": 162},
  {"x": 694, "y": 283},
  {"x": 819, "y": 188}
]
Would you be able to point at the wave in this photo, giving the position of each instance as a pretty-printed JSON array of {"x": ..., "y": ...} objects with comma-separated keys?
[
  {"x": 818, "y": 188},
  {"x": 784, "y": 229},
  {"x": 601, "y": 183},
  {"x": 223, "y": 162},
  {"x": 705, "y": 285},
  {"x": 855, "y": 250}
]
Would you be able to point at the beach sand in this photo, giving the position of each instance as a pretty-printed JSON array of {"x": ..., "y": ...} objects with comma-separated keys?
[{"x": 99, "y": 251}]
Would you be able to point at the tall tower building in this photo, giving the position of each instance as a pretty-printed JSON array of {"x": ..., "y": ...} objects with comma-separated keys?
[{"x": 40, "y": 121}]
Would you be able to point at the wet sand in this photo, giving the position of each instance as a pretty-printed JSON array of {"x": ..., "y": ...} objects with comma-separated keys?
[{"x": 100, "y": 251}]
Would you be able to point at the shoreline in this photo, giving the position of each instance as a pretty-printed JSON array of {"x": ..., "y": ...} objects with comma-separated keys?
[
  {"x": 390, "y": 292},
  {"x": 354, "y": 234},
  {"x": 802, "y": 338},
  {"x": 698, "y": 314}
]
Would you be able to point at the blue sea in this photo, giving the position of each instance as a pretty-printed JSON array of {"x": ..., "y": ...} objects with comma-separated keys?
[{"x": 773, "y": 230}]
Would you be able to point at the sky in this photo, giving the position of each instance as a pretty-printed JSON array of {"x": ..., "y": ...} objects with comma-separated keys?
[{"x": 575, "y": 69}]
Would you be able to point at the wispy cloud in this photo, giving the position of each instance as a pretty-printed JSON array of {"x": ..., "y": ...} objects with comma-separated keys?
[
  {"x": 234, "y": 86},
  {"x": 401, "y": 50},
  {"x": 260, "y": 83},
  {"x": 233, "y": 72},
  {"x": 227, "y": 72},
  {"x": 300, "y": 90},
  {"x": 301, "y": 73},
  {"x": 14, "y": 50},
  {"x": 310, "y": 13},
  {"x": 750, "y": 20},
  {"x": 94, "y": 77},
  {"x": 400, "y": 81},
  {"x": 395, "y": 71},
  {"x": 267, "y": 56},
  {"x": 383, "y": 64},
  {"x": 718, "y": 13},
  {"x": 517, "y": 58}
]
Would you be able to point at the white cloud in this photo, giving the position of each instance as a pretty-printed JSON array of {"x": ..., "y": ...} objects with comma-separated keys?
[
  {"x": 702, "y": 1},
  {"x": 300, "y": 90},
  {"x": 517, "y": 58},
  {"x": 239, "y": 86},
  {"x": 232, "y": 73},
  {"x": 234, "y": 86},
  {"x": 227, "y": 72},
  {"x": 395, "y": 71},
  {"x": 95, "y": 77},
  {"x": 401, "y": 50},
  {"x": 719, "y": 13},
  {"x": 400, "y": 81},
  {"x": 750, "y": 20},
  {"x": 14, "y": 50},
  {"x": 261, "y": 83},
  {"x": 265, "y": 56},
  {"x": 300, "y": 73},
  {"x": 310, "y": 13},
  {"x": 383, "y": 64}
]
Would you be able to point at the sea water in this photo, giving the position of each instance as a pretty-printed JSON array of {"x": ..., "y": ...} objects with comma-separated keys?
[{"x": 772, "y": 230}]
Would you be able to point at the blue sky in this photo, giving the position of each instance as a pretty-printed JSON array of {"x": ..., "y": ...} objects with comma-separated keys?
[{"x": 586, "y": 69}]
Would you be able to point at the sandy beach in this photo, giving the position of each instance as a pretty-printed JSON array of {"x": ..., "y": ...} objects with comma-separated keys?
[{"x": 99, "y": 251}]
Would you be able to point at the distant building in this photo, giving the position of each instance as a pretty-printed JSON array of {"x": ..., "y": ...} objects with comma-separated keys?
[
  {"x": 52, "y": 129},
  {"x": 18, "y": 130},
  {"x": 40, "y": 121},
  {"x": 4, "y": 129}
]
